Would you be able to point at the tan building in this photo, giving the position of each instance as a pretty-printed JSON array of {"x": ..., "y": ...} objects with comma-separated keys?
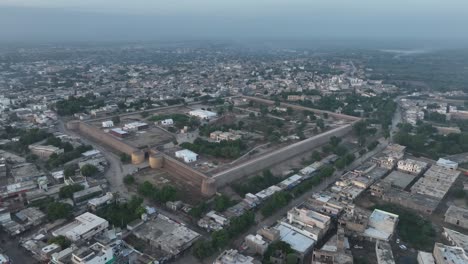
[
  {"x": 457, "y": 216},
  {"x": 44, "y": 152},
  {"x": 335, "y": 251}
]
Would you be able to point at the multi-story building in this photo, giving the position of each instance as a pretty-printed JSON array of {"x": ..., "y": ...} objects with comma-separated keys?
[{"x": 84, "y": 227}]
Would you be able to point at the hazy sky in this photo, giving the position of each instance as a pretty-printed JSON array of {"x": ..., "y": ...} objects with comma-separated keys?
[{"x": 85, "y": 20}]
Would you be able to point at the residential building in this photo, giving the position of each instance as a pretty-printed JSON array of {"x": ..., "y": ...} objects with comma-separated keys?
[
  {"x": 95, "y": 254},
  {"x": 436, "y": 182},
  {"x": 381, "y": 225},
  {"x": 411, "y": 166},
  {"x": 84, "y": 227},
  {"x": 308, "y": 217},
  {"x": 232, "y": 256},
  {"x": 425, "y": 258},
  {"x": 335, "y": 251},
  {"x": 447, "y": 164},
  {"x": 44, "y": 152},
  {"x": 384, "y": 253},
  {"x": 457, "y": 216},
  {"x": 219, "y": 136},
  {"x": 165, "y": 234},
  {"x": 449, "y": 255},
  {"x": 256, "y": 243}
]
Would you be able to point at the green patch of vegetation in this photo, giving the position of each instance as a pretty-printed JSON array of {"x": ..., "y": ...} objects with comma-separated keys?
[
  {"x": 70, "y": 170},
  {"x": 120, "y": 214},
  {"x": 219, "y": 239},
  {"x": 224, "y": 149},
  {"x": 424, "y": 140},
  {"x": 42, "y": 203},
  {"x": 222, "y": 202},
  {"x": 275, "y": 202},
  {"x": 180, "y": 120},
  {"x": 129, "y": 180},
  {"x": 277, "y": 246},
  {"x": 413, "y": 229},
  {"x": 162, "y": 195},
  {"x": 89, "y": 170},
  {"x": 56, "y": 210},
  {"x": 69, "y": 190},
  {"x": 256, "y": 184},
  {"x": 74, "y": 105},
  {"x": 199, "y": 210},
  {"x": 55, "y": 160},
  {"x": 125, "y": 158},
  {"x": 62, "y": 241}
]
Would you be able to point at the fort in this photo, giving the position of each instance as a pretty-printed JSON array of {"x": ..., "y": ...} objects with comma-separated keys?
[{"x": 207, "y": 183}]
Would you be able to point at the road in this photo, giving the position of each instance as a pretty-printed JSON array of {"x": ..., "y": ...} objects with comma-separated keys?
[
  {"x": 316, "y": 189},
  {"x": 397, "y": 118},
  {"x": 12, "y": 249}
]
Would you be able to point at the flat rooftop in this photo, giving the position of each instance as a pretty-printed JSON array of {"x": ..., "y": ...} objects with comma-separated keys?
[
  {"x": 163, "y": 232},
  {"x": 399, "y": 179},
  {"x": 436, "y": 182},
  {"x": 457, "y": 238},
  {"x": 299, "y": 242}
]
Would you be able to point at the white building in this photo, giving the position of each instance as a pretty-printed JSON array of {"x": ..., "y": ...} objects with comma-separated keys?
[
  {"x": 447, "y": 164},
  {"x": 84, "y": 227},
  {"x": 202, "y": 114},
  {"x": 107, "y": 124},
  {"x": 381, "y": 225},
  {"x": 187, "y": 155},
  {"x": 231, "y": 256},
  {"x": 167, "y": 122},
  {"x": 94, "y": 254}
]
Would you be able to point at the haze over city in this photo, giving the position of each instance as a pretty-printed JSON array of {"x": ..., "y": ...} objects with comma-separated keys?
[{"x": 430, "y": 22}]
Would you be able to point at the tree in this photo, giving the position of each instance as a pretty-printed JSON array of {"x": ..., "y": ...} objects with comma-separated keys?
[
  {"x": 320, "y": 123},
  {"x": 316, "y": 156},
  {"x": 70, "y": 170},
  {"x": 58, "y": 210},
  {"x": 251, "y": 115},
  {"x": 221, "y": 203},
  {"x": 220, "y": 111},
  {"x": 129, "y": 180},
  {"x": 335, "y": 141},
  {"x": 116, "y": 120},
  {"x": 125, "y": 158},
  {"x": 219, "y": 238},
  {"x": 89, "y": 170},
  {"x": 62, "y": 241},
  {"x": 360, "y": 129},
  {"x": 144, "y": 114},
  {"x": 67, "y": 191},
  {"x": 230, "y": 107},
  {"x": 289, "y": 110},
  {"x": 32, "y": 157},
  {"x": 340, "y": 163},
  {"x": 202, "y": 249}
]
